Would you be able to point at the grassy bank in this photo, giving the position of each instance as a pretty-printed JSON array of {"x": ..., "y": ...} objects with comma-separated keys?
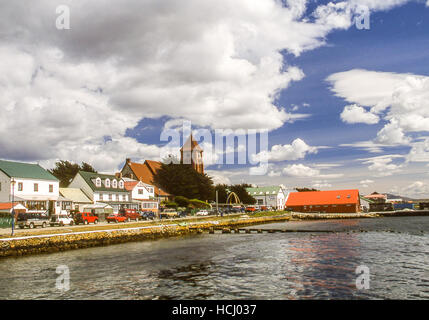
[{"x": 36, "y": 244}]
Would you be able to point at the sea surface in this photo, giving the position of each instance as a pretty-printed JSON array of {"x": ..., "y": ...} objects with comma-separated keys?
[{"x": 302, "y": 265}]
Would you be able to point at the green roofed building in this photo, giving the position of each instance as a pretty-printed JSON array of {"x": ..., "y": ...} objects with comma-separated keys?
[
  {"x": 270, "y": 196},
  {"x": 29, "y": 184},
  {"x": 104, "y": 188}
]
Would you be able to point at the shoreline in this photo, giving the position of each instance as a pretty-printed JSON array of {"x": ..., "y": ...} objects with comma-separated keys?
[
  {"x": 49, "y": 243},
  {"x": 39, "y": 242}
]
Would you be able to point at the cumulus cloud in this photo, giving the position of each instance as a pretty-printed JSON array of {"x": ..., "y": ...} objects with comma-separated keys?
[
  {"x": 298, "y": 149},
  {"x": 401, "y": 100},
  {"x": 303, "y": 171},
  {"x": 216, "y": 63},
  {"x": 70, "y": 93},
  {"x": 356, "y": 114}
]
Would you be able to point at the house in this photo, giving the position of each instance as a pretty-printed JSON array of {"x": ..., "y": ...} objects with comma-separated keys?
[
  {"x": 29, "y": 184},
  {"x": 78, "y": 199},
  {"x": 377, "y": 197},
  {"x": 274, "y": 196},
  {"x": 6, "y": 207},
  {"x": 104, "y": 188},
  {"x": 335, "y": 201},
  {"x": 192, "y": 153},
  {"x": 142, "y": 193},
  {"x": 144, "y": 172}
]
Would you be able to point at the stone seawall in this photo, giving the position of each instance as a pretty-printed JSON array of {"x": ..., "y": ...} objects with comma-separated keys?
[{"x": 78, "y": 240}]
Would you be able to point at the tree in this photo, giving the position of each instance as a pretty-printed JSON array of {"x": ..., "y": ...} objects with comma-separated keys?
[
  {"x": 183, "y": 180},
  {"x": 305, "y": 189},
  {"x": 239, "y": 189},
  {"x": 65, "y": 171},
  {"x": 241, "y": 192}
]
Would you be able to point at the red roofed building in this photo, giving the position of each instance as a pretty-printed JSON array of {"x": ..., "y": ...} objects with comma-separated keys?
[
  {"x": 336, "y": 201},
  {"x": 144, "y": 172}
]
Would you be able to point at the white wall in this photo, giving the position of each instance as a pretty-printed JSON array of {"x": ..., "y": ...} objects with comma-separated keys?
[
  {"x": 5, "y": 191},
  {"x": 80, "y": 183},
  {"x": 135, "y": 195}
]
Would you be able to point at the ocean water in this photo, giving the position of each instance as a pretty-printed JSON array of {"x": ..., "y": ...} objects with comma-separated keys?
[{"x": 240, "y": 266}]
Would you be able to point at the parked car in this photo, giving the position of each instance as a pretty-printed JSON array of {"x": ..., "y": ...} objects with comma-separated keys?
[
  {"x": 85, "y": 218},
  {"x": 129, "y": 214},
  {"x": 169, "y": 213},
  {"x": 32, "y": 220},
  {"x": 147, "y": 215},
  {"x": 202, "y": 213},
  {"x": 61, "y": 220},
  {"x": 250, "y": 209},
  {"x": 116, "y": 218},
  {"x": 182, "y": 214}
]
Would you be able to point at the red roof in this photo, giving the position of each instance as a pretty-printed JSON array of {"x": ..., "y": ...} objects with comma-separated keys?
[
  {"x": 312, "y": 198},
  {"x": 145, "y": 172},
  {"x": 129, "y": 185}
]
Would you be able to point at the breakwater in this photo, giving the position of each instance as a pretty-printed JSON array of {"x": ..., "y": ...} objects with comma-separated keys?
[
  {"x": 62, "y": 242},
  {"x": 321, "y": 216}
]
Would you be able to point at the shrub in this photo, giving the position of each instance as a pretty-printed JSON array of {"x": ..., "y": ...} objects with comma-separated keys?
[
  {"x": 181, "y": 201},
  {"x": 199, "y": 204}
]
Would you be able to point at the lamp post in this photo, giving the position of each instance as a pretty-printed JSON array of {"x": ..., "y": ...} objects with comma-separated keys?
[{"x": 12, "y": 182}]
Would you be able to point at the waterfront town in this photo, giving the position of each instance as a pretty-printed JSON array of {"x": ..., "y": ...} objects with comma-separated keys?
[{"x": 28, "y": 190}]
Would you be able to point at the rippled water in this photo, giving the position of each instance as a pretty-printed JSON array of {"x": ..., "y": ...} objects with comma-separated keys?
[{"x": 240, "y": 266}]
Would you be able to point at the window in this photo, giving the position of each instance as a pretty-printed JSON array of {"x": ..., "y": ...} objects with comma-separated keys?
[
  {"x": 36, "y": 187},
  {"x": 140, "y": 191},
  {"x": 110, "y": 197},
  {"x": 114, "y": 184},
  {"x": 121, "y": 184},
  {"x": 98, "y": 182},
  {"x": 150, "y": 190},
  {"x": 107, "y": 183},
  {"x": 20, "y": 186},
  {"x": 51, "y": 188}
]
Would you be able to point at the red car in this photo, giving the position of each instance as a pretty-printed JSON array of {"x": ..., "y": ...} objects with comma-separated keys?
[
  {"x": 250, "y": 209},
  {"x": 85, "y": 218},
  {"x": 115, "y": 218},
  {"x": 129, "y": 214}
]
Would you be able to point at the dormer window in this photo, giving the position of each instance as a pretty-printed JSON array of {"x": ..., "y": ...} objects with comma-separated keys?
[
  {"x": 121, "y": 184},
  {"x": 114, "y": 184},
  {"x": 107, "y": 183},
  {"x": 98, "y": 182}
]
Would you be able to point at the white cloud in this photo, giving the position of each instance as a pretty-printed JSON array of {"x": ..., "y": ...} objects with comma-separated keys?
[
  {"x": 401, "y": 100},
  {"x": 298, "y": 149},
  {"x": 303, "y": 171},
  {"x": 320, "y": 184},
  {"x": 356, "y": 114},
  {"x": 74, "y": 93},
  {"x": 366, "y": 183},
  {"x": 417, "y": 189},
  {"x": 383, "y": 165}
]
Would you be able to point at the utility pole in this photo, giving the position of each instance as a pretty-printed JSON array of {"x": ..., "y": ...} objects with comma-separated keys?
[{"x": 217, "y": 201}]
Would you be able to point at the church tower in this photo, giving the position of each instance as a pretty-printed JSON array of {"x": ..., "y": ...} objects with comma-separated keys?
[{"x": 192, "y": 153}]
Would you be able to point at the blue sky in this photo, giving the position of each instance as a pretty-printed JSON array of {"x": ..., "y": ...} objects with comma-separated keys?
[{"x": 344, "y": 108}]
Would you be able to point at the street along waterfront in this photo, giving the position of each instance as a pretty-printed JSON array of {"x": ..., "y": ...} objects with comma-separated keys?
[{"x": 288, "y": 265}]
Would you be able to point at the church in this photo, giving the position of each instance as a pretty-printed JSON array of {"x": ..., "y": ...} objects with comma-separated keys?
[{"x": 190, "y": 153}]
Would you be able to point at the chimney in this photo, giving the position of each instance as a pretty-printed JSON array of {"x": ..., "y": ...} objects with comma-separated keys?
[{"x": 128, "y": 160}]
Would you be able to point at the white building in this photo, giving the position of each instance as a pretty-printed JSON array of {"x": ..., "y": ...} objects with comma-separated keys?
[
  {"x": 104, "y": 188},
  {"x": 142, "y": 193},
  {"x": 30, "y": 185},
  {"x": 274, "y": 196}
]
